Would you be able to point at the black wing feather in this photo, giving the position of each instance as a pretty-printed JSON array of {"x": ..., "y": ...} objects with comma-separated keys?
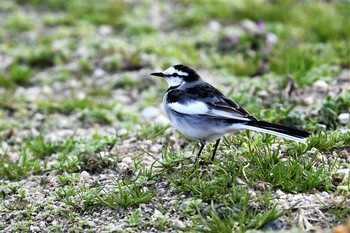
[{"x": 214, "y": 99}]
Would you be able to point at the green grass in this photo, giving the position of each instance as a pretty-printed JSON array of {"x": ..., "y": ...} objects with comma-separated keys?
[{"x": 17, "y": 75}]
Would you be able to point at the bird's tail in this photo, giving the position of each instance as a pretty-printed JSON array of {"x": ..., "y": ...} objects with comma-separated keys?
[{"x": 277, "y": 130}]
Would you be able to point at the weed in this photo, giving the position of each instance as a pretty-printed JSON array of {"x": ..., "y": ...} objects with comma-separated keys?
[
  {"x": 331, "y": 108},
  {"x": 135, "y": 219},
  {"x": 126, "y": 196},
  {"x": 247, "y": 218},
  {"x": 21, "y": 167}
]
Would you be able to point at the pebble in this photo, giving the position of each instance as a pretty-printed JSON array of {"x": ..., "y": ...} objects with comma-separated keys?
[
  {"x": 344, "y": 154},
  {"x": 340, "y": 174},
  {"x": 214, "y": 26},
  {"x": 250, "y": 26},
  {"x": 105, "y": 30},
  {"x": 321, "y": 158},
  {"x": 47, "y": 90},
  {"x": 298, "y": 197},
  {"x": 280, "y": 193},
  {"x": 98, "y": 73},
  {"x": 263, "y": 94},
  {"x": 59, "y": 44},
  {"x": 324, "y": 194},
  {"x": 161, "y": 191},
  {"x": 252, "y": 193},
  {"x": 344, "y": 118},
  {"x": 91, "y": 223},
  {"x": 176, "y": 223},
  {"x": 271, "y": 38},
  {"x": 82, "y": 51},
  {"x": 34, "y": 229},
  {"x": 127, "y": 160},
  {"x": 321, "y": 86},
  {"x": 103, "y": 177},
  {"x": 154, "y": 149},
  {"x": 150, "y": 112},
  {"x": 308, "y": 100},
  {"x": 274, "y": 225},
  {"x": 84, "y": 174}
]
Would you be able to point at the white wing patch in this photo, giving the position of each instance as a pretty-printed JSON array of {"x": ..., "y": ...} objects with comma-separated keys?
[
  {"x": 200, "y": 108},
  {"x": 229, "y": 115},
  {"x": 191, "y": 108},
  {"x": 171, "y": 70}
]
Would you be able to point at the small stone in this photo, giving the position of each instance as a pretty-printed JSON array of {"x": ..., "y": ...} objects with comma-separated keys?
[
  {"x": 161, "y": 191},
  {"x": 252, "y": 193},
  {"x": 154, "y": 149},
  {"x": 84, "y": 174},
  {"x": 308, "y": 100},
  {"x": 340, "y": 174},
  {"x": 127, "y": 160},
  {"x": 34, "y": 229},
  {"x": 289, "y": 197},
  {"x": 271, "y": 38},
  {"x": 122, "y": 131},
  {"x": 214, "y": 26},
  {"x": 321, "y": 86},
  {"x": 82, "y": 51},
  {"x": 344, "y": 154},
  {"x": 298, "y": 197},
  {"x": 105, "y": 30},
  {"x": 98, "y": 73},
  {"x": 280, "y": 193},
  {"x": 47, "y": 90},
  {"x": 274, "y": 225},
  {"x": 176, "y": 223},
  {"x": 150, "y": 112},
  {"x": 344, "y": 118},
  {"x": 321, "y": 158},
  {"x": 91, "y": 223},
  {"x": 102, "y": 177},
  {"x": 250, "y": 26},
  {"x": 42, "y": 224},
  {"x": 263, "y": 94},
  {"x": 59, "y": 44},
  {"x": 324, "y": 194}
]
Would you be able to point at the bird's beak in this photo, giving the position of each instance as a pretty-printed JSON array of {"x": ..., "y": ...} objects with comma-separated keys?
[{"x": 159, "y": 74}]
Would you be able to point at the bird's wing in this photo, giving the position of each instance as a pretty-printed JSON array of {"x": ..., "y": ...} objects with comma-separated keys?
[
  {"x": 210, "y": 105},
  {"x": 225, "y": 107}
]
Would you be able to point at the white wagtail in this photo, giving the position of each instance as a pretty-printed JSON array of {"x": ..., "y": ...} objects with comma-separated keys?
[{"x": 199, "y": 111}]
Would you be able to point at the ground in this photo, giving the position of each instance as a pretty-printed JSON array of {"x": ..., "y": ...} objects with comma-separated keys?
[{"x": 86, "y": 147}]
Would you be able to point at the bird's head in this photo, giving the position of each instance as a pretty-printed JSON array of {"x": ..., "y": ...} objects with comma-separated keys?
[{"x": 178, "y": 74}]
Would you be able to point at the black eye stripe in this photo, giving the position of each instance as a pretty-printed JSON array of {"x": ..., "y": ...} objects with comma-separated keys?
[{"x": 173, "y": 75}]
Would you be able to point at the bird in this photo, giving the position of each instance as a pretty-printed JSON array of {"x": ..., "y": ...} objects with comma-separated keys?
[{"x": 201, "y": 112}]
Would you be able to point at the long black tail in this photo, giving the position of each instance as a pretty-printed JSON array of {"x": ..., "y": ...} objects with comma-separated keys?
[{"x": 278, "y": 130}]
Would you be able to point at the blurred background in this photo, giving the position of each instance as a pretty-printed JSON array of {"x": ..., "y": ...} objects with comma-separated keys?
[{"x": 84, "y": 63}]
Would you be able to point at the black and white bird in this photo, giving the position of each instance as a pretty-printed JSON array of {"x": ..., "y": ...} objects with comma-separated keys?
[{"x": 201, "y": 112}]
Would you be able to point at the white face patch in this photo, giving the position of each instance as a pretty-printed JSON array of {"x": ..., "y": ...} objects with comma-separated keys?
[
  {"x": 171, "y": 70},
  {"x": 194, "y": 107},
  {"x": 174, "y": 81}
]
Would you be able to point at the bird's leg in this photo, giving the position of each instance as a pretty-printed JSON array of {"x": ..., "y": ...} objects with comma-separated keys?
[
  {"x": 215, "y": 148},
  {"x": 202, "y": 142}
]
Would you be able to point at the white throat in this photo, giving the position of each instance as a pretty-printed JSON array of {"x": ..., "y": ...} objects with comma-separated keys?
[{"x": 174, "y": 81}]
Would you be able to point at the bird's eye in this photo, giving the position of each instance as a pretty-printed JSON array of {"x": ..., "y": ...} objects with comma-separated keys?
[{"x": 175, "y": 75}]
